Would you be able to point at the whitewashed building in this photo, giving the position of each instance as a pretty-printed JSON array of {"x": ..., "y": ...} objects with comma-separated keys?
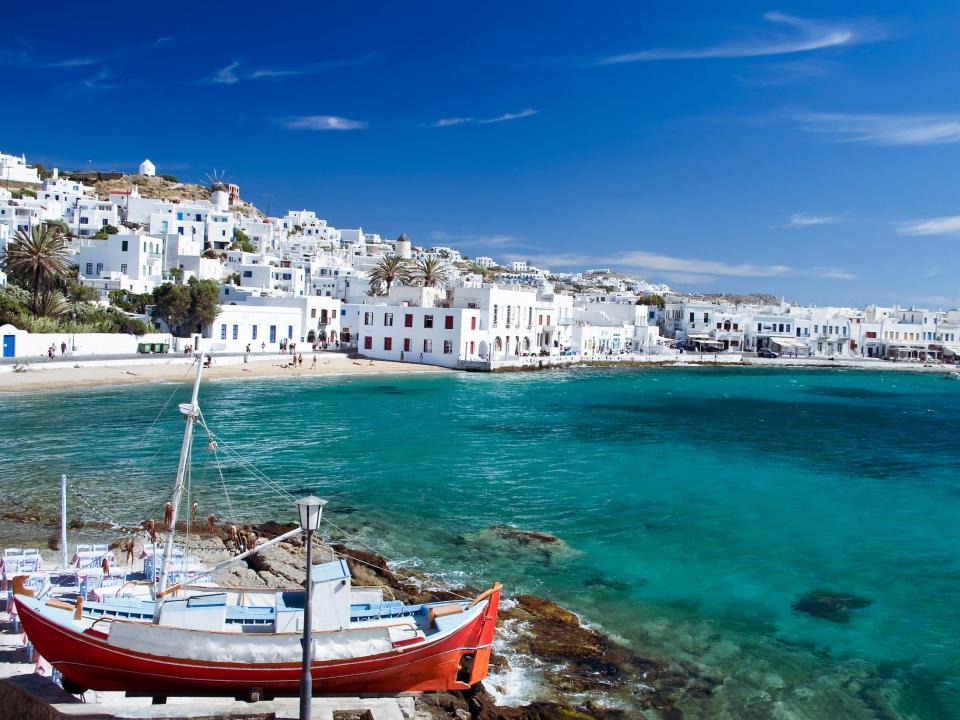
[{"x": 14, "y": 168}]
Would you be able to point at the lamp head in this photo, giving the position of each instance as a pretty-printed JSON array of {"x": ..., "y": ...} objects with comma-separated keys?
[{"x": 310, "y": 510}]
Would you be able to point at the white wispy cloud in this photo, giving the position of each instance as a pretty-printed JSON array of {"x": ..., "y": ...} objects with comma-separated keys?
[
  {"x": 949, "y": 225},
  {"x": 799, "y": 220},
  {"x": 473, "y": 240},
  {"x": 659, "y": 263},
  {"x": 227, "y": 75},
  {"x": 919, "y": 129},
  {"x": 25, "y": 60},
  {"x": 808, "y": 35},
  {"x": 322, "y": 122},
  {"x": 834, "y": 274},
  {"x": 103, "y": 79},
  {"x": 505, "y": 117},
  {"x": 235, "y": 71}
]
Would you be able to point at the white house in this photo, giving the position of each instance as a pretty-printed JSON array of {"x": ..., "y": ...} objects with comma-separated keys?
[
  {"x": 147, "y": 168},
  {"x": 130, "y": 261},
  {"x": 15, "y": 169},
  {"x": 262, "y": 322}
]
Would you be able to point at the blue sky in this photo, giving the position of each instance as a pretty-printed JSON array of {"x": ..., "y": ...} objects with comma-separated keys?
[{"x": 809, "y": 150}]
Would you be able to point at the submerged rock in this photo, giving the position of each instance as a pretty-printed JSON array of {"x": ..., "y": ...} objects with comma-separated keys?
[
  {"x": 508, "y": 539},
  {"x": 832, "y": 606}
]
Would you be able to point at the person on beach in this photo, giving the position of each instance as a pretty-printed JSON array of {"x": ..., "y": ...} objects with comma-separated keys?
[
  {"x": 313, "y": 365},
  {"x": 51, "y": 351},
  {"x": 63, "y": 348},
  {"x": 128, "y": 552},
  {"x": 209, "y": 361},
  {"x": 211, "y": 523},
  {"x": 246, "y": 355},
  {"x": 300, "y": 360}
]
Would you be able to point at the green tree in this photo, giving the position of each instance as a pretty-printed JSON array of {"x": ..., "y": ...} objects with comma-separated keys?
[
  {"x": 187, "y": 308},
  {"x": 39, "y": 259},
  {"x": 105, "y": 232},
  {"x": 171, "y": 304},
  {"x": 81, "y": 293},
  {"x": 204, "y": 302},
  {"x": 242, "y": 242},
  {"x": 60, "y": 226},
  {"x": 484, "y": 272},
  {"x": 391, "y": 269},
  {"x": 652, "y": 299},
  {"x": 431, "y": 272}
]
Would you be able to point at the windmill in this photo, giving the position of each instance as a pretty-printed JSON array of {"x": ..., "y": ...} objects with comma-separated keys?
[{"x": 219, "y": 192}]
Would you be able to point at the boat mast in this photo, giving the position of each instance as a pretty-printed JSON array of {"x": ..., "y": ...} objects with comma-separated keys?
[
  {"x": 191, "y": 412},
  {"x": 63, "y": 520}
]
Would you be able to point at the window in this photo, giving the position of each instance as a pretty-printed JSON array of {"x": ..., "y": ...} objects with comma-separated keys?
[
  {"x": 289, "y": 332},
  {"x": 448, "y": 347},
  {"x": 428, "y": 321},
  {"x": 89, "y": 268},
  {"x": 180, "y": 230},
  {"x": 273, "y": 333},
  {"x": 496, "y": 309},
  {"x": 223, "y": 332},
  {"x": 124, "y": 245},
  {"x": 287, "y": 276},
  {"x": 388, "y": 343},
  {"x": 388, "y": 319},
  {"x": 473, "y": 323},
  {"x": 248, "y": 273},
  {"x": 539, "y": 319},
  {"x": 428, "y": 346},
  {"x": 84, "y": 221},
  {"x": 471, "y": 347},
  {"x": 99, "y": 268},
  {"x": 368, "y": 318},
  {"x": 123, "y": 268},
  {"x": 368, "y": 343},
  {"x": 406, "y": 344},
  {"x": 509, "y": 308},
  {"x": 253, "y": 333},
  {"x": 408, "y": 320},
  {"x": 692, "y": 317},
  {"x": 448, "y": 322}
]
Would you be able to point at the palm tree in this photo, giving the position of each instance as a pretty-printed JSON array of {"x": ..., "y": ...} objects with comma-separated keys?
[
  {"x": 432, "y": 271},
  {"x": 392, "y": 269},
  {"x": 40, "y": 257},
  {"x": 52, "y": 304}
]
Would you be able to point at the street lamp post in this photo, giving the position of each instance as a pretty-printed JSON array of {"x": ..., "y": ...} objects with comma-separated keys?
[{"x": 310, "y": 510}]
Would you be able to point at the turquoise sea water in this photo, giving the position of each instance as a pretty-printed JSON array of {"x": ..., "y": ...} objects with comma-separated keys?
[{"x": 697, "y": 504}]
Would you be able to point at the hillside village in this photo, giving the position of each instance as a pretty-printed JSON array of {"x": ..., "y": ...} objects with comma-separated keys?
[{"x": 294, "y": 279}]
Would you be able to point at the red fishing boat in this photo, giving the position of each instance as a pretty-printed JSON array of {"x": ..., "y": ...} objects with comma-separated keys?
[
  {"x": 431, "y": 647},
  {"x": 204, "y": 641}
]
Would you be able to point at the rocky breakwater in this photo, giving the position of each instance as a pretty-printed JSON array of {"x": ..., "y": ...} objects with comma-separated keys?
[{"x": 582, "y": 672}]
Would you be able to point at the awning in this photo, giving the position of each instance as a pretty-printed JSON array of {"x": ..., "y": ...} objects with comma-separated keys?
[
  {"x": 951, "y": 349},
  {"x": 698, "y": 337},
  {"x": 788, "y": 342}
]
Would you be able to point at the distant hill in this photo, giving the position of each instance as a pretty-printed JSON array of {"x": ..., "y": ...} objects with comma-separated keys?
[
  {"x": 153, "y": 187},
  {"x": 164, "y": 188},
  {"x": 747, "y": 299}
]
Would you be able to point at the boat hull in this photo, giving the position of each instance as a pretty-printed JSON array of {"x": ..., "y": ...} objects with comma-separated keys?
[{"x": 452, "y": 662}]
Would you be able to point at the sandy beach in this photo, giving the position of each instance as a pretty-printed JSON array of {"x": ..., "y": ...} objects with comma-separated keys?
[{"x": 39, "y": 376}]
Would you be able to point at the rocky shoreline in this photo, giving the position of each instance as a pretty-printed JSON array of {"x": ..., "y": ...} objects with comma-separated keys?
[{"x": 584, "y": 673}]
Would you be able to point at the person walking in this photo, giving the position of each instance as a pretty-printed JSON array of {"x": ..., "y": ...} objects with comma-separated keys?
[
  {"x": 246, "y": 355},
  {"x": 63, "y": 348},
  {"x": 313, "y": 365}
]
